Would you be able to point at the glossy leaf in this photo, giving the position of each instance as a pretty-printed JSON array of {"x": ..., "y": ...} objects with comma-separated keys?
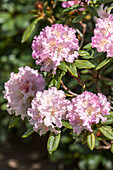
[
  {"x": 103, "y": 63},
  {"x": 66, "y": 124},
  {"x": 112, "y": 148},
  {"x": 72, "y": 69},
  {"x": 91, "y": 141},
  {"x": 109, "y": 120},
  {"x": 92, "y": 10},
  {"x": 78, "y": 18},
  {"x": 30, "y": 29},
  {"x": 83, "y": 53},
  {"x": 13, "y": 121},
  {"x": 83, "y": 64},
  {"x": 28, "y": 133},
  {"x": 88, "y": 46},
  {"x": 111, "y": 113},
  {"x": 105, "y": 1},
  {"x": 53, "y": 142},
  {"x": 107, "y": 132},
  {"x": 63, "y": 66}
]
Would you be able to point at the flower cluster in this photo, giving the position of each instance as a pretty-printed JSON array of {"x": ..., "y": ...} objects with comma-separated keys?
[
  {"x": 67, "y": 4},
  {"x": 21, "y": 89},
  {"x": 103, "y": 35},
  {"x": 86, "y": 109},
  {"x": 48, "y": 109},
  {"x": 53, "y": 45}
]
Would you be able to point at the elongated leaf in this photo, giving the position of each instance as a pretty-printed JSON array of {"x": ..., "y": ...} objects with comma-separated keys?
[
  {"x": 72, "y": 9},
  {"x": 91, "y": 141},
  {"x": 28, "y": 133},
  {"x": 59, "y": 79},
  {"x": 53, "y": 142},
  {"x": 13, "y": 121},
  {"x": 30, "y": 29},
  {"x": 83, "y": 64},
  {"x": 63, "y": 66},
  {"x": 88, "y": 46},
  {"x": 103, "y": 63},
  {"x": 109, "y": 120},
  {"x": 83, "y": 53},
  {"x": 62, "y": 0},
  {"x": 109, "y": 8},
  {"x": 112, "y": 148},
  {"x": 107, "y": 132},
  {"x": 111, "y": 113},
  {"x": 66, "y": 124},
  {"x": 72, "y": 69},
  {"x": 92, "y": 10},
  {"x": 105, "y": 1},
  {"x": 78, "y": 18}
]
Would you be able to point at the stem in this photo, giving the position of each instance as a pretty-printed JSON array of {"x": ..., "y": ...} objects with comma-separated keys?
[
  {"x": 104, "y": 147},
  {"x": 96, "y": 77},
  {"x": 84, "y": 31},
  {"x": 69, "y": 91}
]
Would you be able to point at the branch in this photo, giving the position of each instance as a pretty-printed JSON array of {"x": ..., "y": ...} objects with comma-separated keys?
[
  {"x": 84, "y": 31},
  {"x": 69, "y": 91}
]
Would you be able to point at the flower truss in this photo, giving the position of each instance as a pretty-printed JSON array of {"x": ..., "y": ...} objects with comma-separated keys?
[
  {"x": 21, "y": 89},
  {"x": 67, "y": 4},
  {"x": 103, "y": 35},
  {"x": 48, "y": 109},
  {"x": 86, "y": 109},
  {"x": 53, "y": 45}
]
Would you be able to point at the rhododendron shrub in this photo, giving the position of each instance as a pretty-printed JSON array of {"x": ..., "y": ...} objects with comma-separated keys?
[{"x": 73, "y": 57}]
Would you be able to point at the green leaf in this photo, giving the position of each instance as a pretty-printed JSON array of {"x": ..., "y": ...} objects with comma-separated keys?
[
  {"x": 59, "y": 79},
  {"x": 88, "y": 46},
  {"x": 72, "y": 69},
  {"x": 108, "y": 121},
  {"x": 63, "y": 66},
  {"x": 83, "y": 53},
  {"x": 105, "y": 1},
  {"x": 66, "y": 124},
  {"x": 28, "y": 133},
  {"x": 78, "y": 18},
  {"x": 107, "y": 132},
  {"x": 73, "y": 8},
  {"x": 30, "y": 29},
  {"x": 13, "y": 121},
  {"x": 111, "y": 113},
  {"x": 109, "y": 8},
  {"x": 83, "y": 64},
  {"x": 53, "y": 142},
  {"x": 103, "y": 63},
  {"x": 92, "y": 10},
  {"x": 112, "y": 148},
  {"x": 91, "y": 141},
  {"x": 62, "y": 0}
]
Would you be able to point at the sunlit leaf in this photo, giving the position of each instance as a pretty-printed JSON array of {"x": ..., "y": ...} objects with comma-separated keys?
[
  {"x": 53, "y": 142},
  {"x": 91, "y": 141},
  {"x": 13, "y": 121}
]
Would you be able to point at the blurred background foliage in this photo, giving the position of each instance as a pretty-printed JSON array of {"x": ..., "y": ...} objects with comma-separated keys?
[{"x": 14, "y": 19}]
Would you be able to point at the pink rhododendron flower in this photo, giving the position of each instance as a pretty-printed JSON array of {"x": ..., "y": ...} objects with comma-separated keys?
[
  {"x": 48, "y": 109},
  {"x": 103, "y": 35},
  {"x": 86, "y": 109},
  {"x": 21, "y": 89},
  {"x": 67, "y": 4},
  {"x": 53, "y": 45}
]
